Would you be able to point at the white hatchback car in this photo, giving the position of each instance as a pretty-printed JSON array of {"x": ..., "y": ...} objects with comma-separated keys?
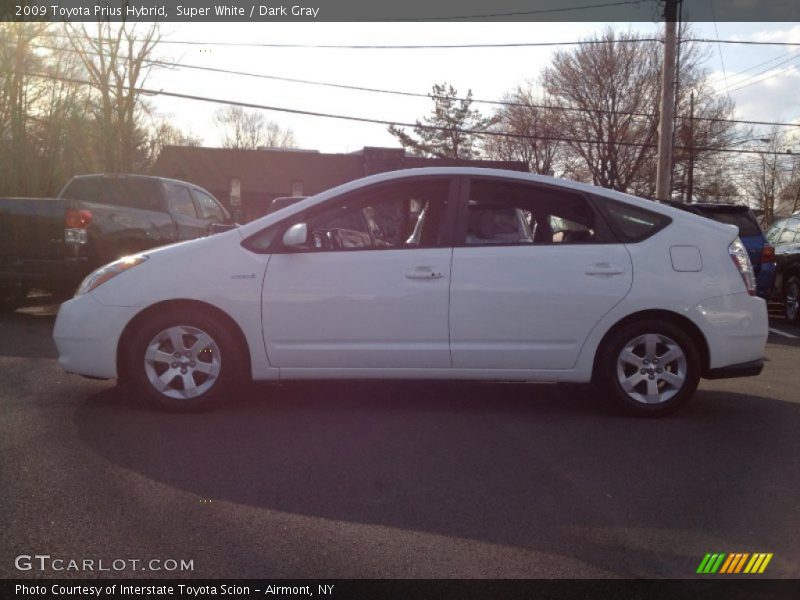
[{"x": 456, "y": 273}]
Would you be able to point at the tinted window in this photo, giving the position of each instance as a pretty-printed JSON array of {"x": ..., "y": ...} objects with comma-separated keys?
[
  {"x": 207, "y": 207},
  {"x": 503, "y": 212},
  {"x": 82, "y": 188},
  {"x": 180, "y": 202},
  {"x": 748, "y": 227},
  {"x": 134, "y": 192},
  {"x": 631, "y": 224}
]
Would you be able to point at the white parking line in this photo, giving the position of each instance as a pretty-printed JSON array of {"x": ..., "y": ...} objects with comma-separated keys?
[{"x": 783, "y": 333}]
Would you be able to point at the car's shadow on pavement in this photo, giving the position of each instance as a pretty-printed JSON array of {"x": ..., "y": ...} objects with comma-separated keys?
[{"x": 530, "y": 466}]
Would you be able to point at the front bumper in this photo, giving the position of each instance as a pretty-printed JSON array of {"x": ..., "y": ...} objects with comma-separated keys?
[{"x": 87, "y": 334}]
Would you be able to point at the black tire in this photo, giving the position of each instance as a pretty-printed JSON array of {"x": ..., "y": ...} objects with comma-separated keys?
[
  {"x": 12, "y": 296},
  {"x": 223, "y": 353},
  {"x": 791, "y": 300},
  {"x": 612, "y": 369}
]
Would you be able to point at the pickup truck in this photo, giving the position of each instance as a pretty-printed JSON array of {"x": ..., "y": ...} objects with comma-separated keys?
[{"x": 53, "y": 243}]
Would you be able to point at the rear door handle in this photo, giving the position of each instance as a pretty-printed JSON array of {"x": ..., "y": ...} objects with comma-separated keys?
[
  {"x": 604, "y": 270},
  {"x": 423, "y": 273}
]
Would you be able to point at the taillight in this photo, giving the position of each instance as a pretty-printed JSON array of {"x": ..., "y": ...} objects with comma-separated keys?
[
  {"x": 742, "y": 261},
  {"x": 77, "y": 219},
  {"x": 76, "y": 222},
  {"x": 768, "y": 254}
]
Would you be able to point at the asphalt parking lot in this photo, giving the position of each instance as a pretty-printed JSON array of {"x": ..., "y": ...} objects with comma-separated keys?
[{"x": 382, "y": 480}]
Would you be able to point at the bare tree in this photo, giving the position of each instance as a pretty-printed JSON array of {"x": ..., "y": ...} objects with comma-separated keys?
[
  {"x": 772, "y": 179},
  {"x": 607, "y": 94},
  {"x": 250, "y": 130},
  {"x": 445, "y": 132},
  {"x": 116, "y": 58},
  {"x": 524, "y": 116},
  {"x": 600, "y": 88},
  {"x": 163, "y": 133},
  {"x": 43, "y": 115}
]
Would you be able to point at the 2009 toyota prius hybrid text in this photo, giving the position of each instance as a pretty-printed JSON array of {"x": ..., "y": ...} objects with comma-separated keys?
[{"x": 439, "y": 273}]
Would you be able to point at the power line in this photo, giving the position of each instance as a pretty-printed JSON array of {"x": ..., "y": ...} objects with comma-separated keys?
[
  {"x": 421, "y": 95},
  {"x": 153, "y": 92},
  {"x": 446, "y": 46},
  {"x": 530, "y": 12},
  {"x": 781, "y": 72},
  {"x": 719, "y": 49},
  {"x": 387, "y": 46}
]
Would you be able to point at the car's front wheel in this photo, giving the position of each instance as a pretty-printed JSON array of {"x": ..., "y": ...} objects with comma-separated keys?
[
  {"x": 184, "y": 360},
  {"x": 649, "y": 368},
  {"x": 791, "y": 305}
]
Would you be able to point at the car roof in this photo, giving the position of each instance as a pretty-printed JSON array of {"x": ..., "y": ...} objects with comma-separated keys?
[{"x": 134, "y": 176}]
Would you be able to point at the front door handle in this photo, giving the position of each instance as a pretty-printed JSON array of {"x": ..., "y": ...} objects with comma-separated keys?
[
  {"x": 423, "y": 273},
  {"x": 604, "y": 269}
]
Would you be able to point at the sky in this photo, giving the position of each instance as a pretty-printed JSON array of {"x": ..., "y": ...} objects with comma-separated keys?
[{"x": 771, "y": 90}]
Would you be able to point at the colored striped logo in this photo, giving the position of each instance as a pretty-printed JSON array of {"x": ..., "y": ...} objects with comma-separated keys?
[{"x": 737, "y": 562}]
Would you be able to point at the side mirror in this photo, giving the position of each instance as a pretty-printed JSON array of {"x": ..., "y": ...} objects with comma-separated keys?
[{"x": 296, "y": 235}]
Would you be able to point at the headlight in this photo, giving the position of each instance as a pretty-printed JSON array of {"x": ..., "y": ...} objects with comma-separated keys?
[{"x": 109, "y": 271}]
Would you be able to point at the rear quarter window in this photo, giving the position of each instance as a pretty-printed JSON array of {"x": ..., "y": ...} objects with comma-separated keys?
[
  {"x": 82, "y": 188},
  {"x": 134, "y": 192},
  {"x": 630, "y": 223}
]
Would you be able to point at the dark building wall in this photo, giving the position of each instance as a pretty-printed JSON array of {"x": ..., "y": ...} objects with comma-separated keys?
[{"x": 268, "y": 174}]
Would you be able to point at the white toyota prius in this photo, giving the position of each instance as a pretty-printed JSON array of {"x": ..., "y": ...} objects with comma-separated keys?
[{"x": 439, "y": 273}]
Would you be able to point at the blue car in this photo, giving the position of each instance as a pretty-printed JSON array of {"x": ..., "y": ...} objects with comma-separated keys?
[{"x": 762, "y": 253}]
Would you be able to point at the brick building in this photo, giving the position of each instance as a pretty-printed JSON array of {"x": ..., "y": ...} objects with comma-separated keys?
[{"x": 247, "y": 180}]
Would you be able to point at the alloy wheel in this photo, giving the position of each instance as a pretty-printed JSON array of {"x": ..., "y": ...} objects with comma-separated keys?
[
  {"x": 651, "y": 368},
  {"x": 182, "y": 362}
]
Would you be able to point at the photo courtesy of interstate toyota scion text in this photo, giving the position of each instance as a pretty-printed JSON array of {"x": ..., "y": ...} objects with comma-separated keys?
[{"x": 436, "y": 273}]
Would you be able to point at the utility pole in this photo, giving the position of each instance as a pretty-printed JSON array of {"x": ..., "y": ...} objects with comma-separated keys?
[
  {"x": 690, "y": 177},
  {"x": 664, "y": 166}
]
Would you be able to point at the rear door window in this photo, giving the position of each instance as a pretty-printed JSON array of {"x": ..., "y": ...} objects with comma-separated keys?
[
  {"x": 510, "y": 213},
  {"x": 133, "y": 192}
]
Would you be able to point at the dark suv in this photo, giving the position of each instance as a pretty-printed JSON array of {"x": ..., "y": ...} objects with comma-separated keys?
[{"x": 785, "y": 236}]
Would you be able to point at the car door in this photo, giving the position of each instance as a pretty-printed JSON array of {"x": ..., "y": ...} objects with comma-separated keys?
[
  {"x": 188, "y": 224},
  {"x": 534, "y": 269},
  {"x": 370, "y": 287}
]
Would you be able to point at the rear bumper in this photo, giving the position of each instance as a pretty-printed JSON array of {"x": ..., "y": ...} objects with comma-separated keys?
[
  {"x": 63, "y": 274},
  {"x": 735, "y": 327},
  {"x": 747, "y": 369}
]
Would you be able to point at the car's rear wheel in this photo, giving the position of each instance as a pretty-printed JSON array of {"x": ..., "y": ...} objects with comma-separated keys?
[
  {"x": 649, "y": 368},
  {"x": 791, "y": 305},
  {"x": 184, "y": 361}
]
